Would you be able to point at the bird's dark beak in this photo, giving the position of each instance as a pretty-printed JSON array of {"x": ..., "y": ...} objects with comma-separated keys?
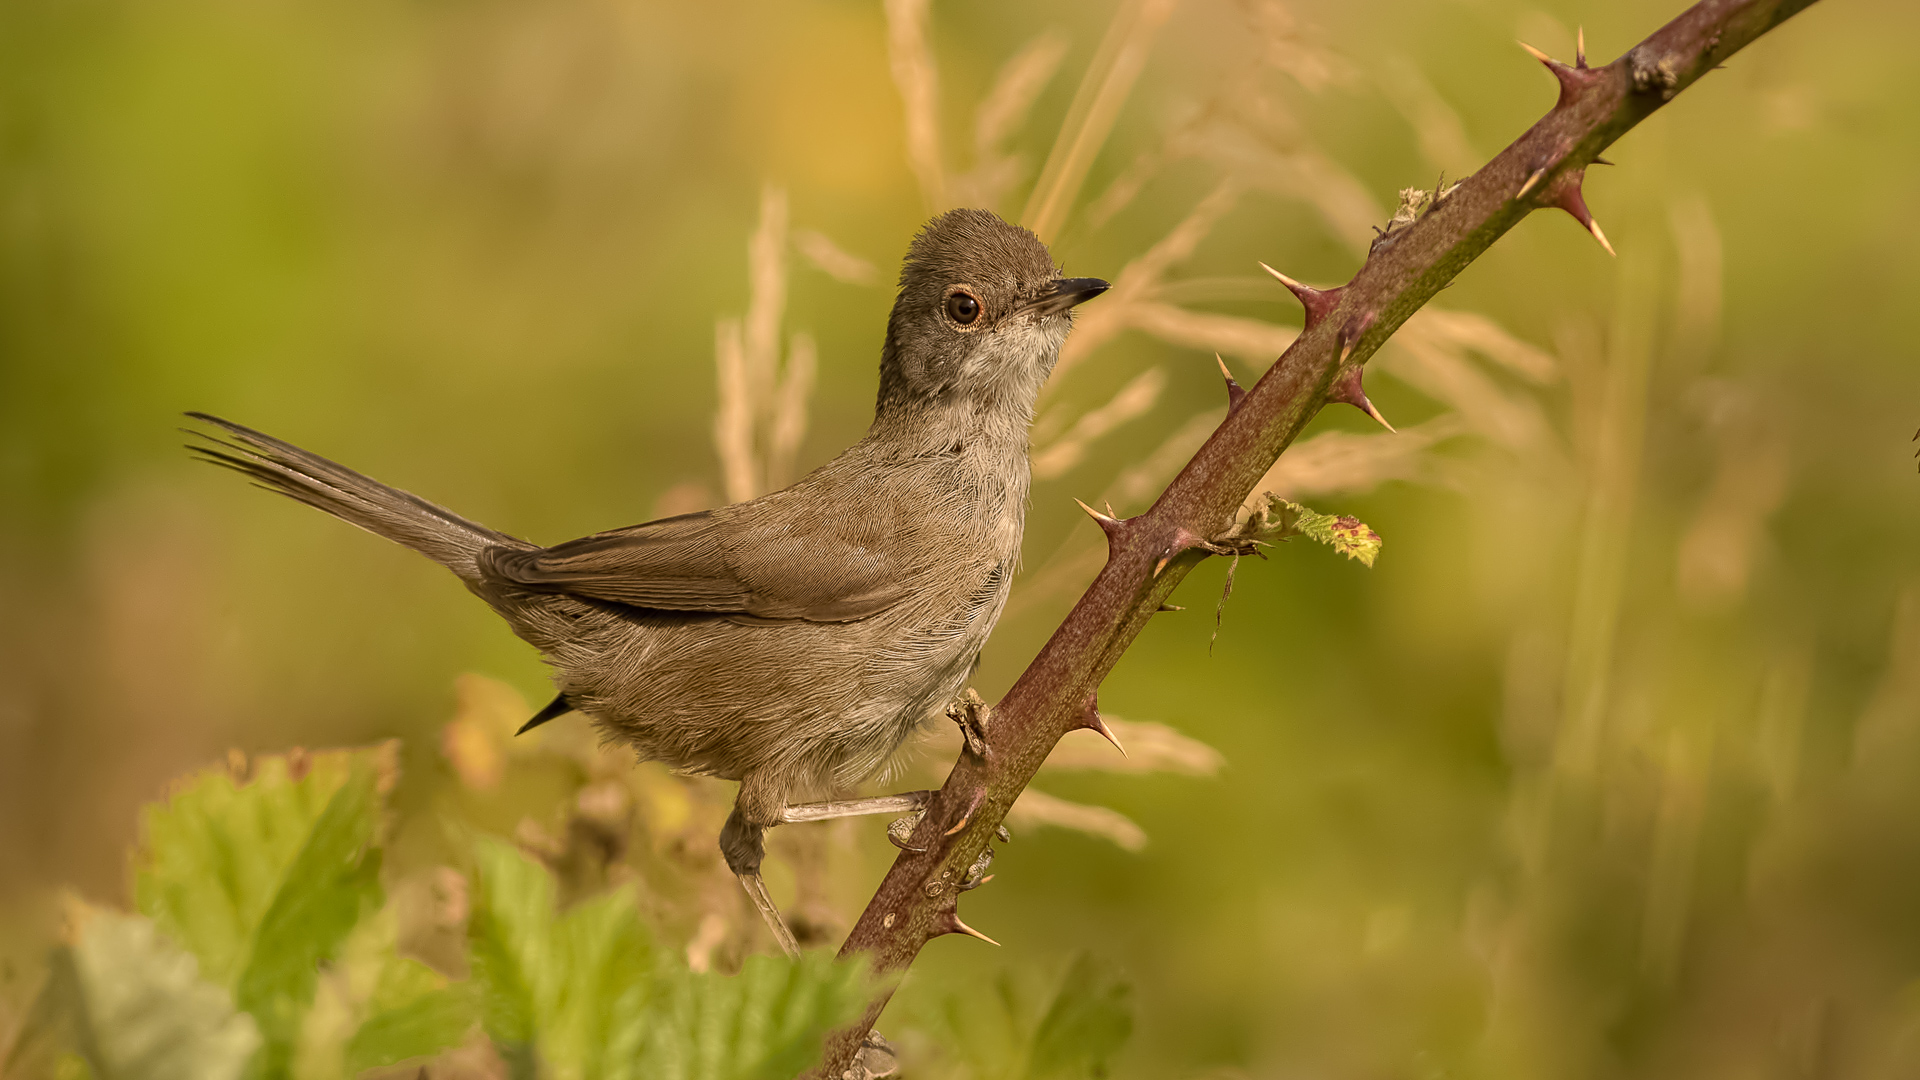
[{"x": 1068, "y": 293}]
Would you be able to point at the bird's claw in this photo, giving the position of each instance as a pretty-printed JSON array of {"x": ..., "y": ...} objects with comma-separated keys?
[
  {"x": 977, "y": 873},
  {"x": 900, "y": 831},
  {"x": 971, "y": 713}
]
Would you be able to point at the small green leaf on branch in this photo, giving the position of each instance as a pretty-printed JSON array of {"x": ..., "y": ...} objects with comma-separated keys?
[{"x": 1274, "y": 519}]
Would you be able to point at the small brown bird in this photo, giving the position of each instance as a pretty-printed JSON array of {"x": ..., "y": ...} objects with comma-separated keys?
[{"x": 792, "y": 642}]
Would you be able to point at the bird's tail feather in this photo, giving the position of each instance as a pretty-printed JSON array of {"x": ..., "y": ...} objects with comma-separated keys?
[{"x": 438, "y": 533}]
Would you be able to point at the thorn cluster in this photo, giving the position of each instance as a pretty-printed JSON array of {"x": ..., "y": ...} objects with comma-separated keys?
[{"x": 1564, "y": 191}]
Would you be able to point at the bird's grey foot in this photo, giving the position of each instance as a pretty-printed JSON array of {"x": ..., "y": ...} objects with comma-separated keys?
[
  {"x": 757, "y": 890},
  {"x": 878, "y": 804},
  {"x": 977, "y": 873},
  {"x": 971, "y": 712},
  {"x": 875, "y": 1059},
  {"x": 900, "y": 831},
  {"x": 743, "y": 844}
]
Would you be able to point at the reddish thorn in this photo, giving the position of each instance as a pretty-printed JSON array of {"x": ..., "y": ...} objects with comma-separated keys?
[
  {"x": 1570, "y": 200},
  {"x": 1580, "y": 48},
  {"x": 1351, "y": 334},
  {"x": 1090, "y": 719},
  {"x": 1570, "y": 79},
  {"x": 1346, "y": 389},
  {"x": 950, "y": 923},
  {"x": 1235, "y": 392},
  {"x": 1108, "y": 524},
  {"x": 973, "y": 804},
  {"x": 1319, "y": 303}
]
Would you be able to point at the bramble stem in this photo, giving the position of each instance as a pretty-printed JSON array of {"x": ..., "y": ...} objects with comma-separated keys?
[{"x": 1148, "y": 555}]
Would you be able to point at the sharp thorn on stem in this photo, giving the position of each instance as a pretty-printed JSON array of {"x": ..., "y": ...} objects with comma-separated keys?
[
  {"x": 1580, "y": 47},
  {"x": 1106, "y": 521},
  {"x": 1235, "y": 392},
  {"x": 1538, "y": 55},
  {"x": 1374, "y": 412},
  {"x": 1090, "y": 719},
  {"x": 1317, "y": 302},
  {"x": 1601, "y": 161},
  {"x": 966, "y": 816},
  {"x": 1168, "y": 607},
  {"x": 1594, "y": 228},
  {"x": 951, "y": 924},
  {"x": 1538, "y": 175}
]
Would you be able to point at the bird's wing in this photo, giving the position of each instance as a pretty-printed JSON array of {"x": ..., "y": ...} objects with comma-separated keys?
[{"x": 761, "y": 565}]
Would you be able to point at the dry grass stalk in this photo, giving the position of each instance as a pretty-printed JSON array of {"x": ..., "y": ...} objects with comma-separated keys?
[
  {"x": 1340, "y": 462},
  {"x": 1286, "y": 47},
  {"x": 1141, "y": 275},
  {"x": 1002, "y": 113},
  {"x": 766, "y": 298},
  {"x": 733, "y": 418},
  {"x": 1440, "y": 369},
  {"x": 1723, "y": 544},
  {"x": 1150, "y": 747},
  {"x": 1035, "y": 808},
  {"x": 1096, "y": 105},
  {"x": 789, "y": 424},
  {"x": 919, "y": 85},
  {"x": 1696, "y": 241},
  {"x": 1246, "y": 339},
  {"x": 1442, "y": 135},
  {"x": 762, "y": 411},
  {"x": 1004, "y": 110},
  {"x": 833, "y": 260},
  {"x": 1467, "y": 330},
  {"x": 1134, "y": 400}
]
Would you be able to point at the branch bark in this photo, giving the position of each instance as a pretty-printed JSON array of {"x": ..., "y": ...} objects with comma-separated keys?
[{"x": 1148, "y": 555}]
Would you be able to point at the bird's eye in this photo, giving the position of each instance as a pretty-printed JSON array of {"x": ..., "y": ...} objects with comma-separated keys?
[{"x": 963, "y": 308}]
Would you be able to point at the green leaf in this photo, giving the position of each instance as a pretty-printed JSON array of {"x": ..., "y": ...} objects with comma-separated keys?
[
  {"x": 419, "y": 1027},
  {"x": 1275, "y": 519},
  {"x": 263, "y": 880},
  {"x": 585, "y": 994},
  {"x": 333, "y": 881},
  {"x": 136, "y": 1008},
  {"x": 214, "y": 854},
  {"x": 1091, "y": 1017},
  {"x": 769, "y": 1022}
]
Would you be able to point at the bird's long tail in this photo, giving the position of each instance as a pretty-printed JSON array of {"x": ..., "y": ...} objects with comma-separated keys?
[{"x": 439, "y": 534}]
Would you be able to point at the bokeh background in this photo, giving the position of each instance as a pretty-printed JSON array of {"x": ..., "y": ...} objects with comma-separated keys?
[{"x": 1610, "y": 767}]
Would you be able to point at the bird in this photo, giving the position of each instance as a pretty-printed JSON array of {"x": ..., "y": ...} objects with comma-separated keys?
[{"x": 795, "y": 641}]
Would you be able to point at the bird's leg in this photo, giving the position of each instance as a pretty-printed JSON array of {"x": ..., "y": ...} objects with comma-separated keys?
[
  {"x": 970, "y": 712},
  {"x": 743, "y": 843},
  {"x": 903, "y": 803}
]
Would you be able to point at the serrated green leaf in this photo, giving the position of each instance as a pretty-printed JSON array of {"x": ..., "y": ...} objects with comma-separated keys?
[
  {"x": 332, "y": 882},
  {"x": 585, "y": 995},
  {"x": 1089, "y": 1020},
  {"x": 139, "y": 1010},
  {"x": 768, "y": 1022},
  {"x": 1274, "y": 519},
  {"x": 214, "y": 854},
  {"x": 419, "y": 1026}
]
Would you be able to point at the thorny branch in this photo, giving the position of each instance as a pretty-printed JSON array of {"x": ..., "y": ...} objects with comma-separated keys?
[{"x": 1148, "y": 555}]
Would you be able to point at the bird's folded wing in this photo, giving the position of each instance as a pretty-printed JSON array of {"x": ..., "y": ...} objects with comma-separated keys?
[{"x": 818, "y": 571}]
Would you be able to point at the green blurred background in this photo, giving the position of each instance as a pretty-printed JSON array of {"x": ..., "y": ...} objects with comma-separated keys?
[{"x": 1611, "y": 766}]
